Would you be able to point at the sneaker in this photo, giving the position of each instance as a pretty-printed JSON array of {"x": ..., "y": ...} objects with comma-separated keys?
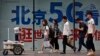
[
  {"x": 78, "y": 51},
  {"x": 40, "y": 51},
  {"x": 62, "y": 53},
  {"x": 55, "y": 50},
  {"x": 51, "y": 51},
  {"x": 90, "y": 53}
]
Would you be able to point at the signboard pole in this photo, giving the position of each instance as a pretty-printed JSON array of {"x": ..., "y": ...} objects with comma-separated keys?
[
  {"x": 8, "y": 34},
  {"x": 74, "y": 20},
  {"x": 33, "y": 25}
]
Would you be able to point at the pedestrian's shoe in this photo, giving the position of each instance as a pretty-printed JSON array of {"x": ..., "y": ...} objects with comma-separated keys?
[
  {"x": 91, "y": 54},
  {"x": 51, "y": 51},
  {"x": 40, "y": 51},
  {"x": 74, "y": 49},
  {"x": 62, "y": 53},
  {"x": 55, "y": 50},
  {"x": 78, "y": 51}
]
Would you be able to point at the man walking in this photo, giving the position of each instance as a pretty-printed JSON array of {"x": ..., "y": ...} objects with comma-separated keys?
[
  {"x": 66, "y": 33},
  {"x": 90, "y": 34},
  {"x": 82, "y": 32}
]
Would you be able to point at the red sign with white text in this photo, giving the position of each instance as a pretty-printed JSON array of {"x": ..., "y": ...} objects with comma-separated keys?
[{"x": 26, "y": 34}]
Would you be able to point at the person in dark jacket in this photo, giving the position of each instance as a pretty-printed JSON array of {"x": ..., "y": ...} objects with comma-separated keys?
[
  {"x": 82, "y": 32},
  {"x": 55, "y": 35}
]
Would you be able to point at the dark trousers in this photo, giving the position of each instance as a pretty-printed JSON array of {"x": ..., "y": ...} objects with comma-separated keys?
[
  {"x": 66, "y": 43},
  {"x": 81, "y": 41},
  {"x": 89, "y": 42},
  {"x": 54, "y": 43},
  {"x": 16, "y": 37}
]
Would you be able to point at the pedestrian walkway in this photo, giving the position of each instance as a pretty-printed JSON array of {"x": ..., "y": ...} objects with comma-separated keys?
[{"x": 68, "y": 53}]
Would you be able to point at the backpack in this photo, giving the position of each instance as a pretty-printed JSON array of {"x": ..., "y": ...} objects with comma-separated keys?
[{"x": 85, "y": 28}]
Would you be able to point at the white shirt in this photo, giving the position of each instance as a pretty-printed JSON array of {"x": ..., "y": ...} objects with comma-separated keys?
[
  {"x": 46, "y": 28},
  {"x": 45, "y": 33},
  {"x": 90, "y": 25},
  {"x": 16, "y": 30},
  {"x": 66, "y": 29}
]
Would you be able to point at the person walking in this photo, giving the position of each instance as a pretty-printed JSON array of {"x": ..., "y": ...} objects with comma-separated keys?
[
  {"x": 66, "y": 33},
  {"x": 82, "y": 32},
  {"x": 90, "y": 33}
]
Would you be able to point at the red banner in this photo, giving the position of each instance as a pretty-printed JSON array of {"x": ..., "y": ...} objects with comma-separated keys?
[{"x": 26, "y": 34}]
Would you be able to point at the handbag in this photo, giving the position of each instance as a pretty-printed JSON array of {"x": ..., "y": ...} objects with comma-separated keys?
[
  {"x": 46, "y": 43},
  {"x": 70, "y": 40}
]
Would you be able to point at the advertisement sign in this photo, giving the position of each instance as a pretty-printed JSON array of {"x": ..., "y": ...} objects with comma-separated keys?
[{"x": 20, "y": 13}]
